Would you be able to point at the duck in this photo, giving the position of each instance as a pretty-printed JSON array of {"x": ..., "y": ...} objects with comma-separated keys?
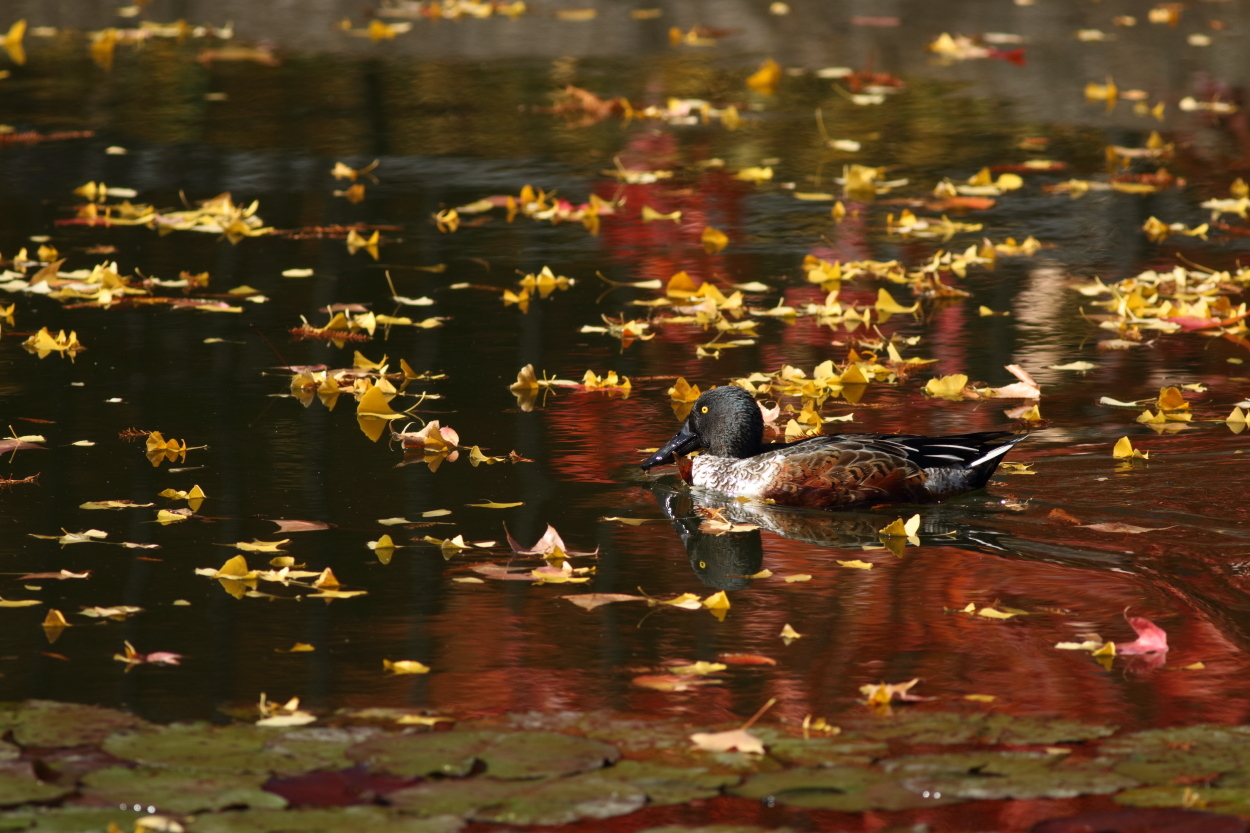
[{"x": 828, "y": 471}]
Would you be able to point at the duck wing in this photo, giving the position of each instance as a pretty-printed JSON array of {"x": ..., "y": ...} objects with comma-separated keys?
[
  {"x": 848, "y": 469},
  {"x": 843, "y": 470}
]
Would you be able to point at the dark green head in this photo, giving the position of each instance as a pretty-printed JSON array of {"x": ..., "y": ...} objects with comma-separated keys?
[{"x": 725, "y": 421}]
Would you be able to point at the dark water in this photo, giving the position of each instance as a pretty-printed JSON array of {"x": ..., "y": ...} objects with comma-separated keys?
[{"x": 454, "y": 112}]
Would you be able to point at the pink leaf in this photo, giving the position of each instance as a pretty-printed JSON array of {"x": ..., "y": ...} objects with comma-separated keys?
[{"x": 1150, "y": 638}]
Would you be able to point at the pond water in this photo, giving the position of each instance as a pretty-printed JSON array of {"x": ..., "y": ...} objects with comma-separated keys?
[{"x": 457, "y": 111}]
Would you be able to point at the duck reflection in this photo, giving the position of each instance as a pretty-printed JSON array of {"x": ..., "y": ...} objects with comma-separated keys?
[{"x": 727, "y": 560}]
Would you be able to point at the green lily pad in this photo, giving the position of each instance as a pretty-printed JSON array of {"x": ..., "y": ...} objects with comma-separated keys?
[
  {"x": 1235, "y": 800},
  {"x": 846, "y": 789},
  {"x": 823, "y": 751},
  {"x": 328, "y": 820},
  {"x": 665, "y": 784},
  {"x": 544, "y": 755},
  {"x": 179, "y": 792},
  {"x": 454, "y": 796},
  {"x": 559, "y": 801},
  {"x": 434, "y": 753},
  {"x": 999, "y": 775},
  {"x": 67, "y": 819},
  {"x": 301, "y": 750},
  {"x": 506, "y": 755},
  {"x": 198, "y": 746},
  {"x": 18, "y": 789},
  {"x": 954, "y": 728},
  {"x": 44, "y": 723},
  {"x": 1160, "y": 756},
  {"x": 635, "y": 736}
]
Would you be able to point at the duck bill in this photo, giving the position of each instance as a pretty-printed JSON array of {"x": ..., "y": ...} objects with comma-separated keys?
[{"x": 683, "y": 442}]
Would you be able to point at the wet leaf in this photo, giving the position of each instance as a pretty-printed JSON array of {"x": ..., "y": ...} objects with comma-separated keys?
[
  {"x": 1150, "y": 638},
  {"x": 117, "y": 612},
  {"x": 1124, "y": 451},
  {"x": 880, "y": 694},
  {"x": 735, "y": 740},
  {"x": 590, "y": 601},
  {"x": 256, "y": 545}
]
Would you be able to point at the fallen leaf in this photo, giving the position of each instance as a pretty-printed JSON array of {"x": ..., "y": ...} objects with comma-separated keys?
[
  {"x": 734, "y": 739},
  {"x": 405, "y": 666},
  {"x": 1125, "y": 528},
  {"x": 1150, "y": 638},
  {"x": 590, "y": 601},
  {"x": 880, "y": 694}
]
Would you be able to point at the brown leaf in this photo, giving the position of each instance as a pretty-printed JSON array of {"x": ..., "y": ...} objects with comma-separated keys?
[
  {"x": 1125, "y": 528},
  {"x": 592, "y": 600}
]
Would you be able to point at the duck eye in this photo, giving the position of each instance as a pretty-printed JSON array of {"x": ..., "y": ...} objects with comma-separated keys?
[{"x": 703, "y": 409}]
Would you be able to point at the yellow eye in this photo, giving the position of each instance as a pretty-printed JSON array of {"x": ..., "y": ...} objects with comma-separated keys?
[{"x": 703, "y": 409}]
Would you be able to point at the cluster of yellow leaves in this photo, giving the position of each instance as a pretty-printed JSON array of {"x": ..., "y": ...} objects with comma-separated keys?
[
  {"x": 103, "y": 43},
  {"x": 542, "y": 284},
  {"x": 218, "y": 215},
  {"x": 327, "y": 385},
  {"x": 1158, "y": 231},
  {"x": 1180, "y": 299},
  {"x": 239, "y": 580},
  {"x": 276, "y": 715},
  {"x": 609, "y": 381},
  {"x": 104, "y": 286},
  {"x": 453, "y": 9},
  {"x": 909, "y": 225},
  {"x": 535, "y": 204},
  {"x": 43, "y": 343},
  {"x": 527, "y": 385},
  {"x": 1173, "y": 411},
  {"x": 830, "y": 381},
  {"x": 862, "y": 182}
]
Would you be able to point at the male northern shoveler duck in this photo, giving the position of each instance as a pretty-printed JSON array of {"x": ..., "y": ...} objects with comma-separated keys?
[{"x": 825, "y": 472}]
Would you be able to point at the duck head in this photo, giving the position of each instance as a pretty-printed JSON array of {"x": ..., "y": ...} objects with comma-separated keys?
[{"x": 725, "y": 421}]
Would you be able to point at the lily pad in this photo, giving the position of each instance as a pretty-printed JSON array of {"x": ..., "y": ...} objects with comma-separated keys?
[
  {"x": 640, "y": 736},
  {"x": 999, "y": 775},
  {"x": 559, "y": 801},
  {"x": 545, "y": 754},
  {"x": 823, "y": 751},
  {"x": 68, "y": 819},
  {"x": 16, "y": 789},
  {"x": 1160, "y": 756},
  {"x": 846, "y": 789},
  {"x": 44, "y": 723},
  {"x": 198, "y": 746},
  {"x": 408, "y": 754},
  {"x": 506, "y": 755},
  {"x": 665, "y": 784},
  {"x": 178, "y": 792},
  {"x": 953, "y": 728},
  {"x": 333, "y": 820},
  {"x": 1235, "y": 800}
]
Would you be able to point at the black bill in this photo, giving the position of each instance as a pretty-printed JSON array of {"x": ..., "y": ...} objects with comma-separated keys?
[{"x": 683, "y": 442}]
